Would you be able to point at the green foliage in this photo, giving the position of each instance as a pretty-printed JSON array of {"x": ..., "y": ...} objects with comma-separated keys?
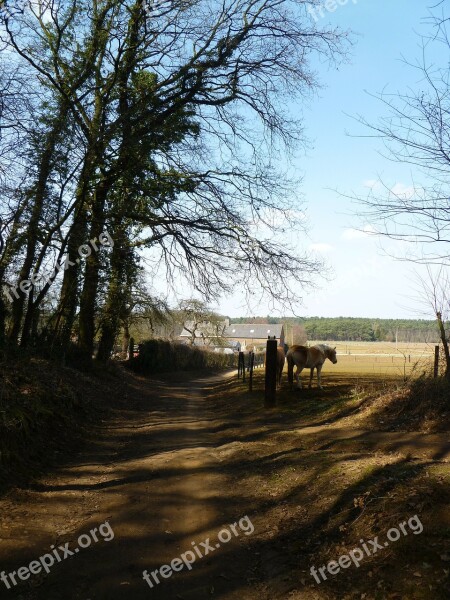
[
  {"x": 370, "y": 330},
  {"x": 160, "y": 356},
  {"x": 358, "y": 329}
]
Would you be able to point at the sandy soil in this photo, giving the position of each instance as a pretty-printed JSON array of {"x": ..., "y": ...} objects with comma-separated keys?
[{"x": 176, "y": 463}]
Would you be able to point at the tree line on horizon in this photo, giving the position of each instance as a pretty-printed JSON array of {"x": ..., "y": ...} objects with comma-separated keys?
[{"x": 354, "y": 328}]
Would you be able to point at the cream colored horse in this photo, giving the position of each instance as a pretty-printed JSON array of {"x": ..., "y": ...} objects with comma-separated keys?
[{"x": 309, "y": 358}]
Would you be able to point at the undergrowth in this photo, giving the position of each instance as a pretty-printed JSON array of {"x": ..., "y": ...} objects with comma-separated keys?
[{"x": 42, "y": 409}]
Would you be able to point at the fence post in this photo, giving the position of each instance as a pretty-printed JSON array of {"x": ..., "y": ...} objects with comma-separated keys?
[
  {"x": 243, "y": 366},
  {"x": 131, "y": 349},
  {"x": 436, "y": 361},
  {"x": 240, "y": 363},
  {"x": 270, "y": 399},
  {"x": 250, "y": 375}
]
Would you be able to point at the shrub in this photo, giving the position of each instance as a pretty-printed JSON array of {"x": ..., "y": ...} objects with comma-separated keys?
[
  {"x": 161, "y": 356},
  {"x": 39, "y": 411}
]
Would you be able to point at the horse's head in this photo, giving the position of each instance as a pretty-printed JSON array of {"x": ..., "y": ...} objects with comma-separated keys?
[{"x": 331, "y": 355}]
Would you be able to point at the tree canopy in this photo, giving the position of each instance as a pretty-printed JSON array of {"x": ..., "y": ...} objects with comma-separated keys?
[{"x": 168, "y": 129}]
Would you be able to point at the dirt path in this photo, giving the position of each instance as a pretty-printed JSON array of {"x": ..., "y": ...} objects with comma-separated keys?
[
  {"x": 175, "y": 466},
  {"x": 154, "y": 475}
]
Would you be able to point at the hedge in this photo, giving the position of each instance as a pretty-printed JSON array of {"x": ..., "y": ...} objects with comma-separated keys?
[{"x": 161, "y": 356}]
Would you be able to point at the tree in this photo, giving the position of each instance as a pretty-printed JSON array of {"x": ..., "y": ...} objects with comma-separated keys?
[
  {"x": 435, "y": 291},
  {"x": 141, "y": 307},
  {"x": 2, "y": 301},
  {"x": 165, "y": 128},
  {"x": 200, "y": 321},
  {"x": 416, "y": 132},
  {"x": 295, "y": 334}
]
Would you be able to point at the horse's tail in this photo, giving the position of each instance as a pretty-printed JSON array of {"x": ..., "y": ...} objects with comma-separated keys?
[{"x": 290, "y": 362}]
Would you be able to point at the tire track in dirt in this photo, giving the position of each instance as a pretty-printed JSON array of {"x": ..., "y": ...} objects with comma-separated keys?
[{"x": 152, "y": 472}]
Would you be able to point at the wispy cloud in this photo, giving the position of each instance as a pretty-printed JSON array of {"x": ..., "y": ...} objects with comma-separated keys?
[
  {"x": 321, "y": 248},
  {"x": 358, "y": 234},
  {"x": 371, "y": 184},
  {"x": 403, "y": 191}
]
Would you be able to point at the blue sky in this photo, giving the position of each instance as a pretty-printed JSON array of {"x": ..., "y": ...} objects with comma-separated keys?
[{"x": 366, "y": 282}]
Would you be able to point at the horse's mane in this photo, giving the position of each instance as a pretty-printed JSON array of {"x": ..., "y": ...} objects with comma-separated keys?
[
  {"x": 322, "y": 346},
  {"x": 325, "y": 348}
]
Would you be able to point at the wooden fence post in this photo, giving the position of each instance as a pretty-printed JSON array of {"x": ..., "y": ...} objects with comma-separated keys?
[
  {"x": 131, "y": 349},
  {"x": 243, "y": 366},
  {"x": 436, "y": 361},
  {"x": 250, "y": 375},
  {"x": 270, "y": 399},
  {"x": 240, "y": 363}
]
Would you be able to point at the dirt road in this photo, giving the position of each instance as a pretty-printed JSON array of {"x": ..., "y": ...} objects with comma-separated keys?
[
  {"x": 155, "y": 475},
  {"x": 179, "y": 470}
]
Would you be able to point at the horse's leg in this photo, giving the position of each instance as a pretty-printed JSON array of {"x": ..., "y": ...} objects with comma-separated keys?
[
  {"x": 319, "y": 377},
  {"x": 311, "y": 373},
  {"x": 290, "y": 372},
  {"x": 297, "y": 377}
]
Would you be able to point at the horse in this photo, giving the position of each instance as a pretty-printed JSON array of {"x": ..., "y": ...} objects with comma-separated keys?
[
  {"x": 281, "y": 357},
  {"x": 311, "y": 358}
]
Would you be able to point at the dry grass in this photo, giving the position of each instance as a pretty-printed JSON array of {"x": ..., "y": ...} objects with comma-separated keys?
[
  {"x": 43, "y": 410},
  {"x": 382, "y": 359},
  {"x": 316, "y": 500}
]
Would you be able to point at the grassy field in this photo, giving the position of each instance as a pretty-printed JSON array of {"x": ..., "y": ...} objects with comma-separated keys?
[
  {"x": 380, "y": 358},
  {"x": 318, "y": 486}
]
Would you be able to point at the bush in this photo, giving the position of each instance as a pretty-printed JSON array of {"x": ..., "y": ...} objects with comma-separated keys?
[
  {"x": 421, "y": 405},
  {"x": 161, "y": 356},
  {"x": 39, "y": 411}
]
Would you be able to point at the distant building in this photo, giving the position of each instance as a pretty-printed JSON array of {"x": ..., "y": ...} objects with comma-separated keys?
[
  {"x": 238, "y": 336},
  {"x": 249, "y": 335}
]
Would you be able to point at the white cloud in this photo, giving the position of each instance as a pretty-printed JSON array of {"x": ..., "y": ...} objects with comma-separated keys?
[
  {"x": 403, "y": 191},
  {"x": 280, "y": 218},
  {"x": 371, "y": 183},
  {"x": 399, "y": 189},
  {"x": 321, "y": 248},
  {"x": 358, "y": 234}
]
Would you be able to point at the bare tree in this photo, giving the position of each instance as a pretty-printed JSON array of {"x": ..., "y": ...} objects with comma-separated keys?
[
  {"x": 143, "y": 307},
  {"x": 435, "y": 290},
  {"x": 200, "y": 321},
  {"x": 298, "y": 335},
  {"x": 416, "y": 132}
]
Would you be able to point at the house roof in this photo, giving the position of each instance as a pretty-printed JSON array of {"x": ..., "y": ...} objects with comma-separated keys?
[
  {"x": 253, "y": 331},
  {"x": 247, "y": 331}
]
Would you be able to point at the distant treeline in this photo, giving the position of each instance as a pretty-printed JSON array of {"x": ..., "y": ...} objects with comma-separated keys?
[{"x": 356, "y": 329}]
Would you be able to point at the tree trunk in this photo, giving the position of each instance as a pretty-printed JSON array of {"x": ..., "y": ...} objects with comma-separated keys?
[
  {"x": 126, "y": 336},
  {"x": 108, "y": 337},
  {"x": 122, "y": 268},
  {"x": 88, "y": 300},
  {"x": 28, "y": 321},
  {"x": 68, "y": 301},
  {"x": 3, "y": 311},
  {"x": 444, "y": 343},
  {"x": 38, "y": 197}
]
